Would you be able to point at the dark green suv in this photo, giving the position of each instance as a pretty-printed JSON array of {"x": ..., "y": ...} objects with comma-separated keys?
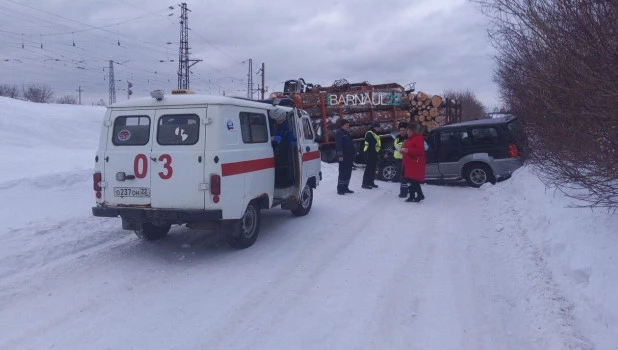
[{"x": 477, "y": 151}]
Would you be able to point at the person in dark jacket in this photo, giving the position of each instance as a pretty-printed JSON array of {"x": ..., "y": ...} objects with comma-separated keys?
[
  {"x": 413, "y": 151},
  {"x": 398, "y": 144},
  {"x": 345, "y": 155},
  {"x": 373, "y": 144}
]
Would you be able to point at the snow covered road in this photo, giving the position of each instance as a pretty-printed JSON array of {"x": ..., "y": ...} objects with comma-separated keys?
[
  {"x": 361, "y": 271},
  {"x": 501, "y": 267}
]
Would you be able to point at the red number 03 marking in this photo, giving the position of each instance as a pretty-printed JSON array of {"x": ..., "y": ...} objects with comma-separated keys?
[
  {"x": 140, "y": 166},
  {"x": 167, "y": 165},
  {"x": 140, "y": 158}
]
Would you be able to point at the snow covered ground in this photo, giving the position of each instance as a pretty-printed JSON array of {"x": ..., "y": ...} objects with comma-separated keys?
[{"x": 510, "y": 266}]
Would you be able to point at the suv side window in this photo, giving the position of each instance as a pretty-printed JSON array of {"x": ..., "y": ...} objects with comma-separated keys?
[
  {"x": 178, "y": 129},
  {"x": 253, "y": 127},
  {"x": 452, "y": 139},
  {"x": 485, "y": 136},
  {"x": 131, "y": 130}
]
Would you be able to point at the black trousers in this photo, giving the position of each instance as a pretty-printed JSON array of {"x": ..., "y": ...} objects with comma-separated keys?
[
  {"x": 403, "y": 182},
  {"x": 371, "y": 160},
  {"x": 415, "y": 188},
  {"x": 345, "y": 173}
]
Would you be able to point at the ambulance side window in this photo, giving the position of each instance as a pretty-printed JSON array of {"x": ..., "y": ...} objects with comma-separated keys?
[
  {"x": 308, "y": 130},
  {"x": 178, "y": 129},
  {"x": 253, "y": 127},
  {"x": 131, "y": 130}
]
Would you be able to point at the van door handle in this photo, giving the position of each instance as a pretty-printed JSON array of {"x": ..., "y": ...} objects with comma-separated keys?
[{"x": 130, "y": 177}]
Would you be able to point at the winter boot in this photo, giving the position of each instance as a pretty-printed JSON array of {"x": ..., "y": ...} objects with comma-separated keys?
[
  {"x": 403, "y": 191},
  {"x": 340, "y": 190}
]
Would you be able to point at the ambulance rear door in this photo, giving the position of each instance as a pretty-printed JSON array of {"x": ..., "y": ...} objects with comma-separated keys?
[
  {"x": 127, "y": 157},
  {"x": 177, "y": 159}
]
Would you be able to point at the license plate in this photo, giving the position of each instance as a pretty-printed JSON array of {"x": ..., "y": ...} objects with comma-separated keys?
[{"x": 131, "y": 192}]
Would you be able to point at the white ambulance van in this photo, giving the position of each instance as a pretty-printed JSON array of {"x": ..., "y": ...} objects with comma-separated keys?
[{"x": 204, "y": 161}]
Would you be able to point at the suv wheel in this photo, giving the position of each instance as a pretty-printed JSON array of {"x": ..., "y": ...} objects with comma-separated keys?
[
  {"x": 388, "y": 172},
  {"x": 478, "y": 174},
  {"x": 152, "y": 232}
]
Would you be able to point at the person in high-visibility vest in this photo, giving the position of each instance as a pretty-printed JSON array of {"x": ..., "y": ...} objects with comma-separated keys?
[
  {"x": 398, "y": 143},
  {"x": 371, "y": 149}
]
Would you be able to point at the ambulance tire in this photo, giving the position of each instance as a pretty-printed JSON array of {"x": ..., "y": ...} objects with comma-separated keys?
[
  {"x": 151, "y": 232},
  {"x": 249, "y": 227},
  {"x": 306, "y": 200}
]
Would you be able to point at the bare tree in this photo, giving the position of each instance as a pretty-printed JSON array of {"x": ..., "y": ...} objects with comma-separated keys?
[
  {"x": 557, "y": 71},
  {"x": 40, "y": 93},
  {"x": 67, "y": 100},
  {"x": 11, "y": 91},
  {"x": 471, "y": 107}
]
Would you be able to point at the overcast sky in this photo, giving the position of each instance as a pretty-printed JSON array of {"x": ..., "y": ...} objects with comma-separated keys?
[{"x": 439, "y": 44}]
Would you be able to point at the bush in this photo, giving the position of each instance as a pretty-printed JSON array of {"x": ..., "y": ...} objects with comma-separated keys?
[
  {"x": 557, "y": 71},
  {"x": 39, "y": 93},
  {"x": 67, "y": 100},
  {"x": 11, "y": 91}
]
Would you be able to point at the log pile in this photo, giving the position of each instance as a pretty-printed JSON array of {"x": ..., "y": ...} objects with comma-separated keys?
[
  {"x": 362, "y": 105},
  {"x": 427, "y": 110}
]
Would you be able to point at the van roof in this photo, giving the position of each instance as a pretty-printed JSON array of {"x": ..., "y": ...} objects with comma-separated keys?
[{"x": 170, "y": 100}]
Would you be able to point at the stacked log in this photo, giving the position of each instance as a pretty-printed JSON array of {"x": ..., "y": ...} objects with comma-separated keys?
[{"x": 427, "y": 110}]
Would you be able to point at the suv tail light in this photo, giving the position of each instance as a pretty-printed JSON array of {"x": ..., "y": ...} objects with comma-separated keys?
[
  {"x": 513, "y": 150},
  {"x": 96, "y": 181},
  {"x": 215, "y": 185}
]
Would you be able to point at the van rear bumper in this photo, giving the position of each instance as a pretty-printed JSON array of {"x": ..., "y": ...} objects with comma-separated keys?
[{"x": 160, "y": 215}]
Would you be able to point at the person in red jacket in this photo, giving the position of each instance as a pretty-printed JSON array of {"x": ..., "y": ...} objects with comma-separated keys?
[{"x": 413, "y": 152}]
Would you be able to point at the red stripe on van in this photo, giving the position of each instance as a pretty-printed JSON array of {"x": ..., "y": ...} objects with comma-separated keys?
[
  {"x": 311, "y": 156},
  {"x": 247, "y": 166}
]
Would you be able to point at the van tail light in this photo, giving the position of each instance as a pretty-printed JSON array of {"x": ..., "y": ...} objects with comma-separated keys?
[
  {"x": 513, "y": 150},
  {"x": 215, "y": 185},
  {"x": 96, "y": 181}
]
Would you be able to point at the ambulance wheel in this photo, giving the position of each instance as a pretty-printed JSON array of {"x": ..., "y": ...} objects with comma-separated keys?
[
  {"x": 151, "y": 232},
  {"x": 306, "y": 200},
  {"x": 246, "y": 232}
]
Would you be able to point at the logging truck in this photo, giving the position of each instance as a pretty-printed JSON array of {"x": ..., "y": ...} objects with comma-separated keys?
[{"x": 363, "y": 104}]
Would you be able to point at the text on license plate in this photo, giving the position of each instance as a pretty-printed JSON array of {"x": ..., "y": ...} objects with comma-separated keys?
[{"x": 131, "y": 192}]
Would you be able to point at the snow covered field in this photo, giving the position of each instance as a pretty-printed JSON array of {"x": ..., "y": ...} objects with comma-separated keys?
[{"x": 510, "y": 266}]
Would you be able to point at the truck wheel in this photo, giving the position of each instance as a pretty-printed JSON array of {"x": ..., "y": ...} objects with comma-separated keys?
[
  {"x": 246, "y": 232},
  {"x": 152, "y": 232},
  {"x": 388, "y": 172},
  {"x": 477, "y": 174},
  {"x": 306, "y": 200}
]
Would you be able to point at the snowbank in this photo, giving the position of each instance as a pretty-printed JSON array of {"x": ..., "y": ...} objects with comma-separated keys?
[{"x": 578, "y": 245}]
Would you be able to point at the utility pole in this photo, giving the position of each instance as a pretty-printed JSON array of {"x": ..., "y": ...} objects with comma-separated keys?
[
  {"x": 183, "y": 51},
  {"x": 112, "y": 86},
  {"x": 79, "y": 90},
  {"x": 261, "y": 73},
  {"x": 263, "y": 86},
  {"x": 250, "y": 80}
]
